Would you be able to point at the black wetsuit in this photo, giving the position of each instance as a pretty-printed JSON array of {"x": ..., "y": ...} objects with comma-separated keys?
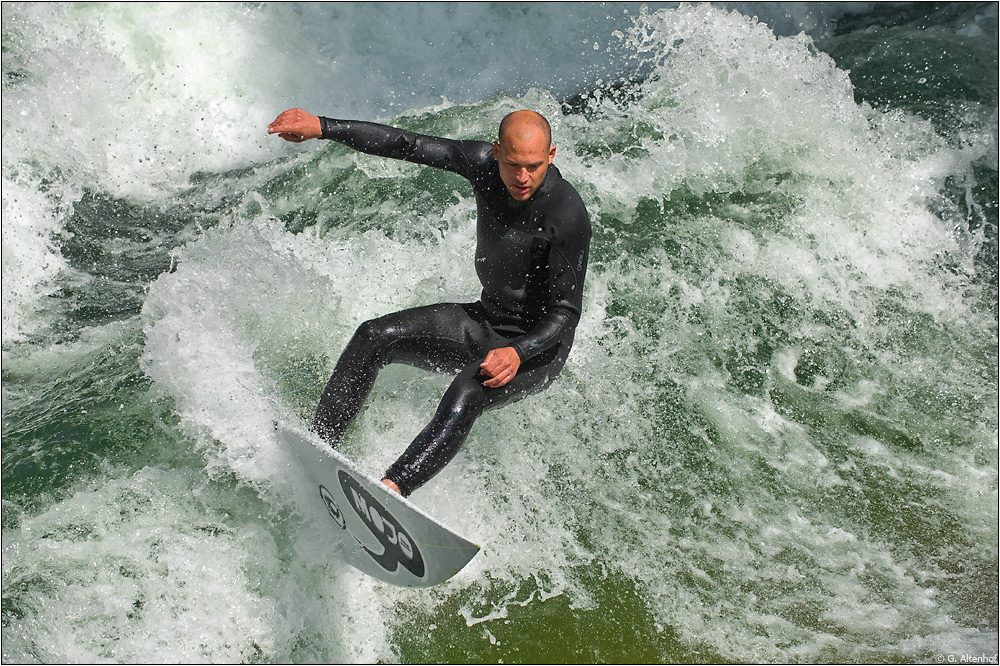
[{"x": 531, "y": 258}]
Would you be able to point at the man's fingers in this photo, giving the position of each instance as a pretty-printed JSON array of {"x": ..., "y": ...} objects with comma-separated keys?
[
  {"x": 498, "y": 381},
  {"x": 295, "y": 125},
  {"x": 495, "y": 364},
  {"x": 489, "y": 364},
  {"x": 279, "y": 124},
  {"x": 500, "y": 365},
  {"x": 490, "y": 367}
]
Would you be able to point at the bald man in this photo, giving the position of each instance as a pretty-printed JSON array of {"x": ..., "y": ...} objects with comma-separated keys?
[{"x": 533, "y": 241}]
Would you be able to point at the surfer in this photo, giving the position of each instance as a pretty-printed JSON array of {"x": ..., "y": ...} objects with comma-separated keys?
[{"x": 533, "y": 239}]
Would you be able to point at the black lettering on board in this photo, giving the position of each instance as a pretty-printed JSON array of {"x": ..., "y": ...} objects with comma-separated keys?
[{"x": 397, "y": 546}]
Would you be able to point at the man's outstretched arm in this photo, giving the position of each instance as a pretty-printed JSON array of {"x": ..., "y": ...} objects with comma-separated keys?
[{"x": 461, "y": 157}]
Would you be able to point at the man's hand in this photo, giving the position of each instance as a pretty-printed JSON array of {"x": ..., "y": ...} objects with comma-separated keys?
[
  {"x": 500, "y": 366},
  {"x": 296, "y": 125}
]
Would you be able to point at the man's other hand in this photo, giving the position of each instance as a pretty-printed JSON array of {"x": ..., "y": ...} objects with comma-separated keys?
[
  {"x": 500, "y": 366},
  {"x": 296, "y": 125}
]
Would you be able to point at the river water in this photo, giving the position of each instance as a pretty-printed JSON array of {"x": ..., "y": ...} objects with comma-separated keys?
[{"x": 775, "y": 439}]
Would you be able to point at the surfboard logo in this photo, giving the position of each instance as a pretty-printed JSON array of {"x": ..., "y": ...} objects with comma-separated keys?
[
  {"x": 398, "y": 548},
  {"x": 331, "y": 506}
]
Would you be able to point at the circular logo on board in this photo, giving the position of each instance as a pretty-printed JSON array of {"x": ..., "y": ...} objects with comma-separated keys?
[{"x": 331, "y": 506}]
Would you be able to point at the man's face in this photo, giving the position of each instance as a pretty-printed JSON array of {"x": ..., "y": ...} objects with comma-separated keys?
[{"x": 524, "y": 157}]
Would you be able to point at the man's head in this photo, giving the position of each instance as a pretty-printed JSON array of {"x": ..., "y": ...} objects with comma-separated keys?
[{"x": 524, "y": 151}]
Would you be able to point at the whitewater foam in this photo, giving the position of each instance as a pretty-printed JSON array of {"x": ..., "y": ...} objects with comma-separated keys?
[{"x": 775, "y": 436}]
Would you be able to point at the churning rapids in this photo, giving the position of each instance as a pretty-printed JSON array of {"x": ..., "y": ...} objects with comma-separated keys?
[{"x": 775, "y": 439}]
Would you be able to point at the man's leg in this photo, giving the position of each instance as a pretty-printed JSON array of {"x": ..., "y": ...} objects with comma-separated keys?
[
  {"x": 435, "y": 337},
  {"x": 461, "y": 405}
]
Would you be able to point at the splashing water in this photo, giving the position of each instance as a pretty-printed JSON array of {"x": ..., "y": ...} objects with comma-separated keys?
[{"x": 776, "y": 436}]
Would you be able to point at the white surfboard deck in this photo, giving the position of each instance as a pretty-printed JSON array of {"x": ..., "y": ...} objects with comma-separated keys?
[{"x": 384, "y": 535}]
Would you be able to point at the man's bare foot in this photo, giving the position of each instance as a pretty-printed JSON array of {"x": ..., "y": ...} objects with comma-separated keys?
[{"x": 391, "y": 486}]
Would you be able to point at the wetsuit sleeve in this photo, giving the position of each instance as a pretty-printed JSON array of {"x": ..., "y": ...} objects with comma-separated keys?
[
  {"x": 461, "y": 157},
  {"x": 567, "y": 269}
]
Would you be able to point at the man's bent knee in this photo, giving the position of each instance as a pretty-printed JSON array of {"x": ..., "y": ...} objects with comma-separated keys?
[{"x": 372, "y": 339}]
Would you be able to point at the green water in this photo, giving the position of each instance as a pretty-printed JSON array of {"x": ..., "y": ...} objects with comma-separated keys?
[{"x": 775, "y": 439}]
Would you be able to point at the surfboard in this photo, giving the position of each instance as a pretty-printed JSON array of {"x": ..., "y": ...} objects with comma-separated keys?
[{"x": 382, "y": 533}]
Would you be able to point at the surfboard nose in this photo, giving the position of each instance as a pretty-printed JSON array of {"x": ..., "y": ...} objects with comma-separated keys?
[{"x": 381, "y": 533}]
